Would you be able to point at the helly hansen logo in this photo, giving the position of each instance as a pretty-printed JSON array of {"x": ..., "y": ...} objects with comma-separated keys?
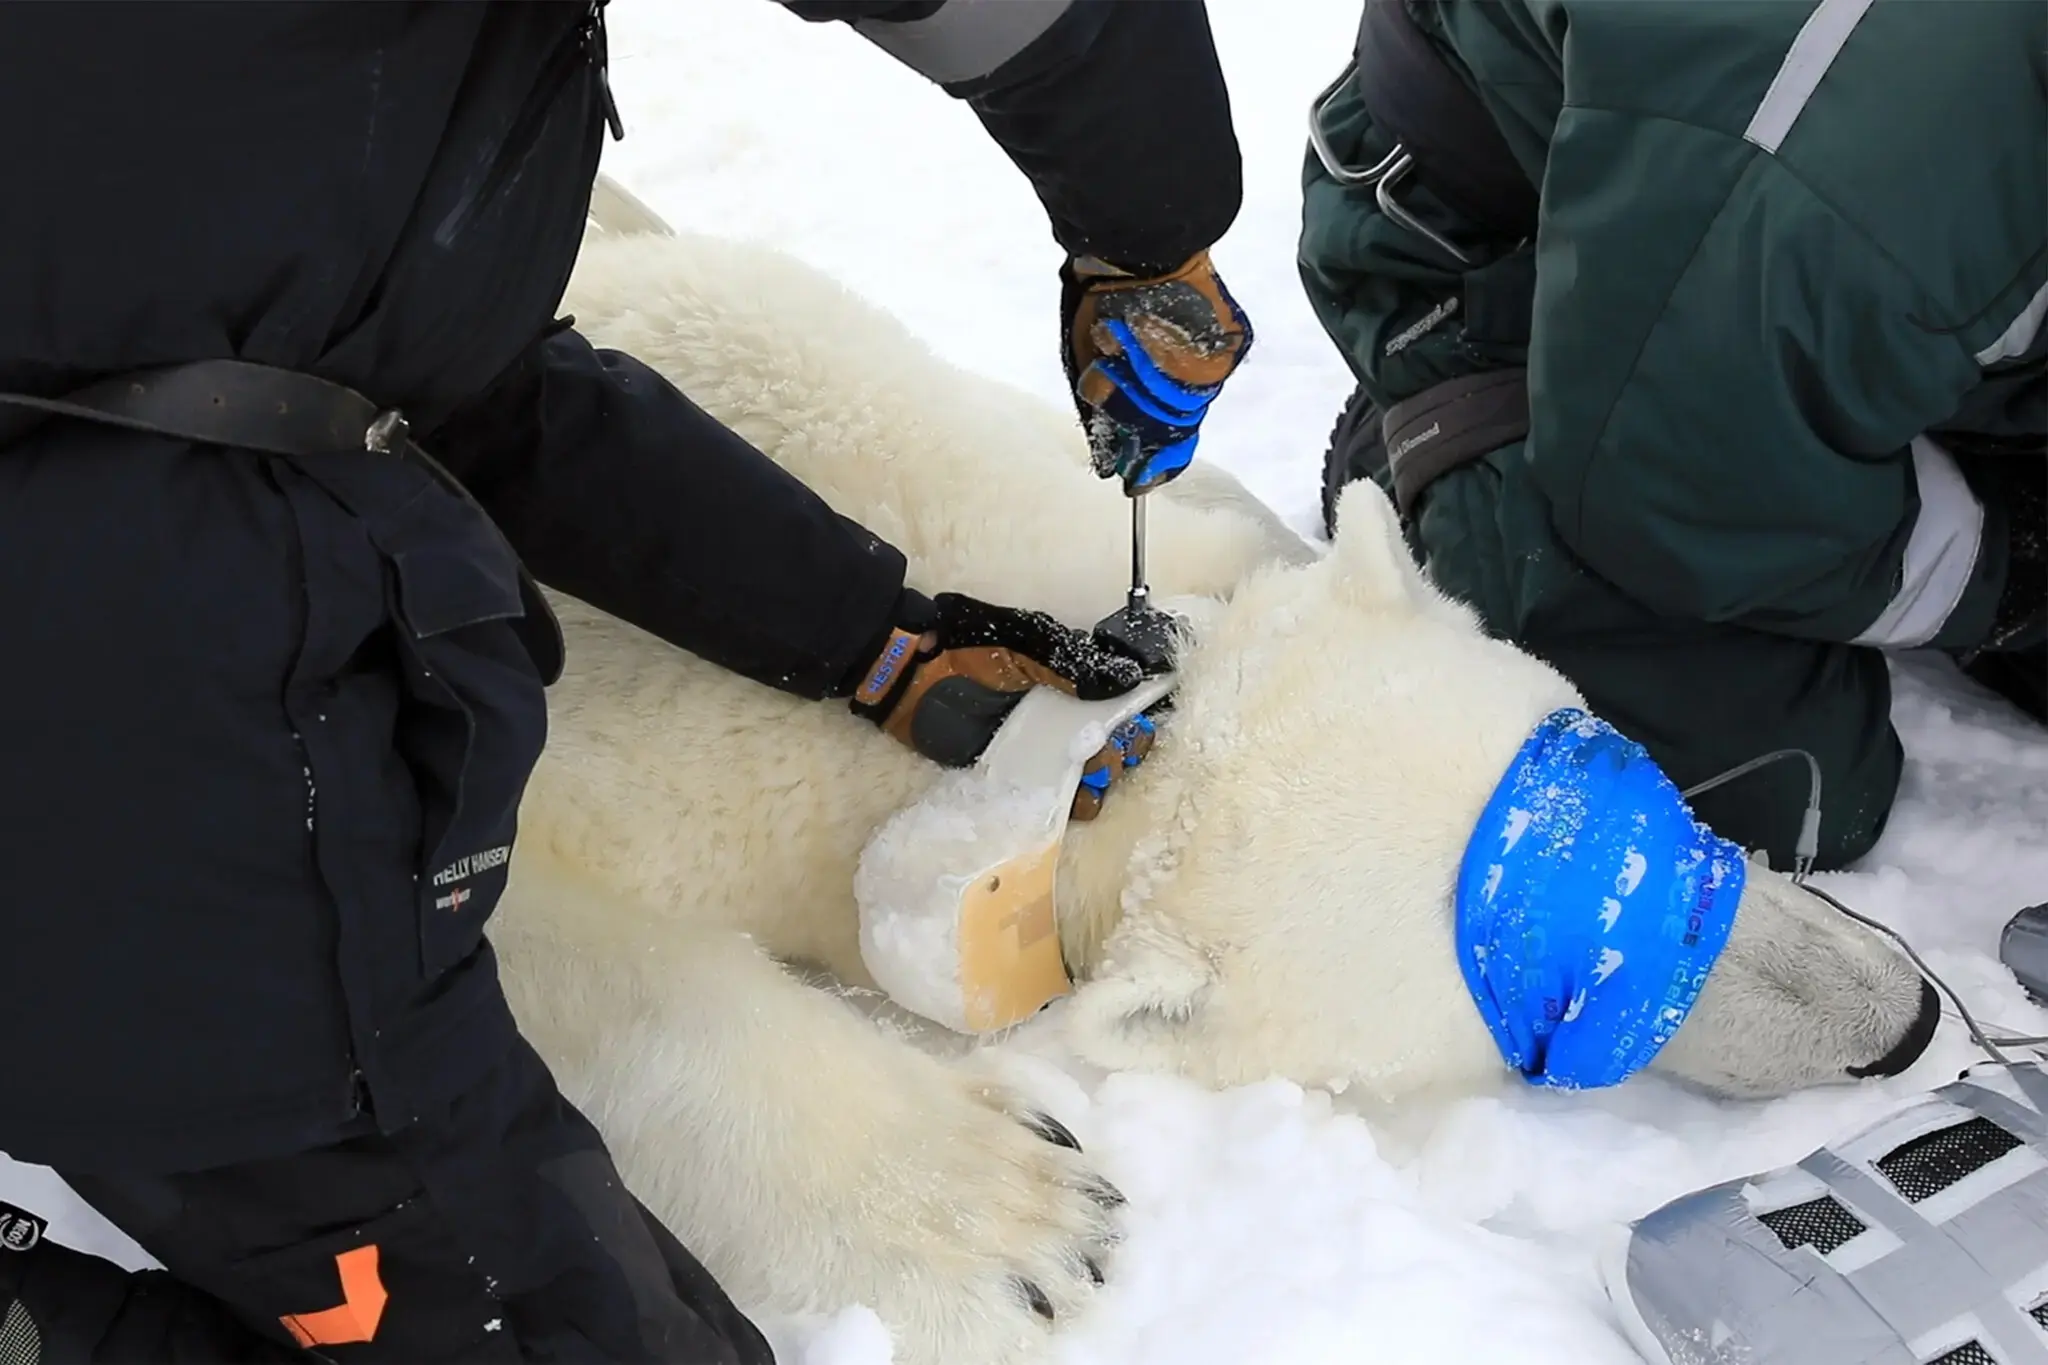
[
  {"x": 19, "y": 1230},
  {"x": 453, "y": 900},
  {"x": 472, "y": 864}
]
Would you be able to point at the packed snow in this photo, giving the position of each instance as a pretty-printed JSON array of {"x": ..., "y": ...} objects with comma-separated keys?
[{"x": 1270, "y": 1225}]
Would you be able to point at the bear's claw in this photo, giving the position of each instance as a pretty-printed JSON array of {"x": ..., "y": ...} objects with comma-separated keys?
[
  {"x": 1052, "y": 1130},
  {"x": 1035, "y": 1298}
]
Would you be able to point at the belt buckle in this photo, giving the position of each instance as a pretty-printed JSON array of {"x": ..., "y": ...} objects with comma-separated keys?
[{"x": 386, "y": 433}]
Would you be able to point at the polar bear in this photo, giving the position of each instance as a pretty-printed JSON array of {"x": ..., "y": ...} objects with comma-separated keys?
[{"x": 1268, "y": 895}]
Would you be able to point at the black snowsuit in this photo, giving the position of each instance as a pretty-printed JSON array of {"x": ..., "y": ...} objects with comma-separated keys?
[{"x": 270, "y": 719}]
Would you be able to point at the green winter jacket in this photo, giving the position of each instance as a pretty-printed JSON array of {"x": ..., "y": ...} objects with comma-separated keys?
[{"x": 1792, "y": 255}]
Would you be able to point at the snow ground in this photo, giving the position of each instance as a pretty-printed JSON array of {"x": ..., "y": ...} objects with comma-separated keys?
[{"x": 1268, "y": 1225}]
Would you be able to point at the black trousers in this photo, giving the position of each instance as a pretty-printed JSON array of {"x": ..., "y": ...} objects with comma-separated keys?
[{"x": 495, "y": 1228}]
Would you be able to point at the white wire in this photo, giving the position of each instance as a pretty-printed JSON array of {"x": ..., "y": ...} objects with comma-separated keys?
[
  {"x": 1803, "y": 857},
  {"x": 1808, "y": 846}
]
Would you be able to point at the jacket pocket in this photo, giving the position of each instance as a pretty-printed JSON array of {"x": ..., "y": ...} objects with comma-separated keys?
[{"x": 473, "y": 718}]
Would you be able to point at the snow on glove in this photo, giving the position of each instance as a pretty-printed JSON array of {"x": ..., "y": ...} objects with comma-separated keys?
[
  {"x": 949, "y": 669},
  {"x": 1145, "y": 356}
]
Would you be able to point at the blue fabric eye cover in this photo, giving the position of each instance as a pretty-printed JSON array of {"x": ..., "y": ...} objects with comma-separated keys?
[{"x": 1591, "y": 905}]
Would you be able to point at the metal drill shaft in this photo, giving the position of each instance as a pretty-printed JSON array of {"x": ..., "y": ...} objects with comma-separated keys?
[
  {"x": 1141, "y": 628},
  {"x": 1139, "y": 591}
]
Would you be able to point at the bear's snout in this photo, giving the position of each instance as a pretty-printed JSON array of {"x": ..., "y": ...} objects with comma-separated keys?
[{"x": 1914, "y": 1044}]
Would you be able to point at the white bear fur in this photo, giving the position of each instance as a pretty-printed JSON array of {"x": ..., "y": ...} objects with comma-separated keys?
[{"x": 1267, "y": 896}]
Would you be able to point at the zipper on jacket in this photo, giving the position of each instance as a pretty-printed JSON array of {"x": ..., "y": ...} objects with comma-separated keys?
[
  {"x": 358, "y": 1099},
  {"x": 597, "y": 46},
  {"x": 358, "y": 1090},
  {"x": 586, "y": 40}
]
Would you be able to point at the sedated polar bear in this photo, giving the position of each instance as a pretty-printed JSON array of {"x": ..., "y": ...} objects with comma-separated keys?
[{"x": 1269, "y": 895}]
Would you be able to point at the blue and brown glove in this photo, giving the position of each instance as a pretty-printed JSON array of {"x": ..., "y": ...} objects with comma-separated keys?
[
  {"x": 1145, "y": 355},
  {"x": 1125, "y": 750},
  {"x": 948, "y": 670}
]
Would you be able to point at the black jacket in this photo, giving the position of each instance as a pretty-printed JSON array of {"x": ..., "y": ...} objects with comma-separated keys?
[
  {"x": 390, "y": 196},
  {"x": 230, "y": 790}
]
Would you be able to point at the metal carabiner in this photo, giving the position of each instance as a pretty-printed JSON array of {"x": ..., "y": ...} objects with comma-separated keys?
[
  {"x": 1383, "y": 194},
  {"x": 1339, "y": 172},
  {"x": 1383, "y": 175}
]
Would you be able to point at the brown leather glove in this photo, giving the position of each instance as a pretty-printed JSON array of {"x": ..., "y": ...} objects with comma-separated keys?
[
  {"x": 1145, "y": 356},
  {"x": 948, "y": 669}
]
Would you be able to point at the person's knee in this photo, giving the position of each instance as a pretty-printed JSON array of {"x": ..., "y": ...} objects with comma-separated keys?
[
  {"x": 1765, "y": 811},
  {"x": 1706, "y": 702},
  {"x": 1356, "y": 450}
]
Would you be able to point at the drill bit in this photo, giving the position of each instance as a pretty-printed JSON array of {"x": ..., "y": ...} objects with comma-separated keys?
[
  {"x": 1141, "y": 628},
  {"x": 1139, "y": 591}
]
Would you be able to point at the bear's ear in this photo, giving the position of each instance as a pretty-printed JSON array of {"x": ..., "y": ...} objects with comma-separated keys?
[
  {"x": 1372, "y": 558},
  {"x": 1139, "y": 1007},
  {"x": 615, "y": 212}
]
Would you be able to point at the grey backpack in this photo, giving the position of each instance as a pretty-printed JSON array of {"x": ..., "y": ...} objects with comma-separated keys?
[{"x": 1922, "y": 1239}]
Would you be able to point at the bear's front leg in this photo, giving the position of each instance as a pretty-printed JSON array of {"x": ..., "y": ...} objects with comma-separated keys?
[{"x": 810, "y": 1160}]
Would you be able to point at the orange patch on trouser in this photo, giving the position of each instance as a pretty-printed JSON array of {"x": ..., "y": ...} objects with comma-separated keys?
[{"x": 360, "y": 1309}]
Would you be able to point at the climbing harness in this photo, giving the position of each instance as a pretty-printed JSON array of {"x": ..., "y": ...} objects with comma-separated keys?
[{"x": 1440, "y": 131}]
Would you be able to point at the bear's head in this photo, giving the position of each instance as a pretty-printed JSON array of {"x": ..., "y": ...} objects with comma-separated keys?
[{"x": 1273, "y": 895}]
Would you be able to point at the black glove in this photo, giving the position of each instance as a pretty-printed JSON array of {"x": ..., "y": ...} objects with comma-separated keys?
[
  {"x": 2018, "y": 484},
  {"x": 2012, "y": 659},
  {"x": 947, "y": 670},
  {"x": 2012, "y": 479}
]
